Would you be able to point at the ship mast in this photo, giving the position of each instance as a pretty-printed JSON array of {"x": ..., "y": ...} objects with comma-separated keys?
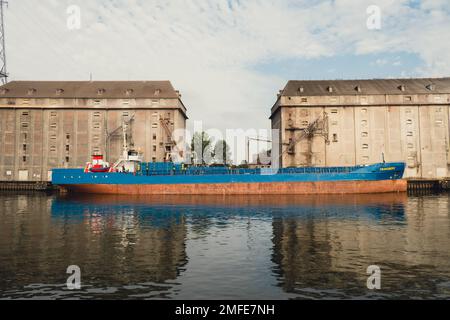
[{"x": 125, "y": 143}]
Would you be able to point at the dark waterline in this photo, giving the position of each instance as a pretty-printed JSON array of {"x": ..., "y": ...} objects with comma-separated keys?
[{"x": 283, "y": 247}]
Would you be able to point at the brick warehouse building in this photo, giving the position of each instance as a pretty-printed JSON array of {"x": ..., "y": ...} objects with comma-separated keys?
[
  {"x": 349, "y": 122},
  {"x": 44, "y": 125}
]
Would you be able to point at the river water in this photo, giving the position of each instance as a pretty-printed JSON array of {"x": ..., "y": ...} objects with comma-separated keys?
[{"x": 283, "y": 247}]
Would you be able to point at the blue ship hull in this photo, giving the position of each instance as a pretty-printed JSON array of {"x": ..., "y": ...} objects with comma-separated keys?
[{"x": 383, "y": 177}]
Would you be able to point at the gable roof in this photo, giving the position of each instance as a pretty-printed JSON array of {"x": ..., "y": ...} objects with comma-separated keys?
[
  {"x": 89, "y": 89},
  {"x": 366, "y": 87}
]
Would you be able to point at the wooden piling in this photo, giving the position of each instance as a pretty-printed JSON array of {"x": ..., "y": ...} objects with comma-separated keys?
[{"x": 428, "y": 185}]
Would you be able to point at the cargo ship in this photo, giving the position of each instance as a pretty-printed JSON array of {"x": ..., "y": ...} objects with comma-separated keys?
[{"x": 131, "y": 176}]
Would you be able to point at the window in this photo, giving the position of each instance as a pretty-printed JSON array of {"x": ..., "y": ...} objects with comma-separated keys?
[
  {"x": 53, "y": 126},
  {"x": 126, "y": 101},
  {"x": 24, "y": 159},
  {"x": 125, "y": 114},
  {"x": 154, "y": 148},
  {"x": 364, "y": 123},
  {"x": 409, "y": 121},
  {"x": 364, "y": 111},
  {"x": 67, "y": 147},
  {"x": 408, "y": 110},
  {"x": 439, "y": 123},
  {"x": 334, "y": 111},
  {"x": 305, "y": 123},
  {"x": 96, "y": 125},
  {"x": 154, "y": 136},
  {"x": 24, "y": 147},
  {"x": 97, "y": 102},
  {"x": 24, "y": 125},
  {"x": 334, "y": 123},
  {"x": 410, "y": 134},
  {"x": 53, "y": 114},
  {"x": 304, "y": 100},
  {"x": 365, "y": 146},
  {"x": 67, "y": 159},
  {"x": 410, "y": 146},
  {"x": 25, "y": 114},
  {"x": 68, "y": 136},
  {"x": 154, "y": 159},
  {"x": 408, "y": 99},
  {"x": 53, "y": 148},
  {"x": 364, "y": 134},
  {"x": 155, "y": 125},
  {"x": 335, "y": 137},
  {"x": 97, "y": 114}
]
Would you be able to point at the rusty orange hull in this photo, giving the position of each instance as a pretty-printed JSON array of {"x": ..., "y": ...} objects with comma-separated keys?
[{"x": 300, "y": 188}]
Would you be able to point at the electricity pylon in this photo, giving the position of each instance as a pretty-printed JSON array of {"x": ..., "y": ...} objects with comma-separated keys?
[{"x": 3, "y": 72}]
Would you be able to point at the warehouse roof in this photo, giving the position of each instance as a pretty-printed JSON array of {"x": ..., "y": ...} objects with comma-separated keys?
[
  {"x": 89, "y": 89},
  {"x": 366, "y": 87}
]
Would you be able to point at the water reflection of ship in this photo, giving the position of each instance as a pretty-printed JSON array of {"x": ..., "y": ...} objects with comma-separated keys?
[
  {"x": 238, "y": 201},
  {"x": 159, "y": 222}
]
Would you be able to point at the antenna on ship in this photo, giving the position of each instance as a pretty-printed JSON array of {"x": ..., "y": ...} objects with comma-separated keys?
[{"x": 3, "y": 72}]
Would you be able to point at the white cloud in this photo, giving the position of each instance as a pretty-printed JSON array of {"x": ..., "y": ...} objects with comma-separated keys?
[{"x": 208, "y": 48}]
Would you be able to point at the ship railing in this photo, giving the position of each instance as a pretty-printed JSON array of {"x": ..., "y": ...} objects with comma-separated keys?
[{"x": 195, "y": 171}]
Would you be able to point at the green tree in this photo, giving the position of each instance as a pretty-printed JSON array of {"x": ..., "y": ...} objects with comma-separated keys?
[
  {"x": 222, "y": 153},
  {"x": 201, "y": 147}
]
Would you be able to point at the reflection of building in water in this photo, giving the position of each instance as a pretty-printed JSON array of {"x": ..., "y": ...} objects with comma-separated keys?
[
  {"x": 114, "y": 245},
  {"x": 301, "y": 248},
  {"x": 334, "y": 251}
]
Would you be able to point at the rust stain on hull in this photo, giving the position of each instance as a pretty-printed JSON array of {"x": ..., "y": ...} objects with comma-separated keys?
[{"x": 291, "y": 188}]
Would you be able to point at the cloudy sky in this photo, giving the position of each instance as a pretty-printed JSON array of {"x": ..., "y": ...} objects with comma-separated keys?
[{"x": 228, "y": 58}]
